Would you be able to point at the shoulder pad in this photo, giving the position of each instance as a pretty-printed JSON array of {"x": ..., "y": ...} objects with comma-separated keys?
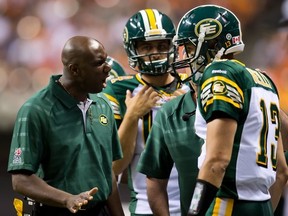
[{"x": 121, "y": 78}]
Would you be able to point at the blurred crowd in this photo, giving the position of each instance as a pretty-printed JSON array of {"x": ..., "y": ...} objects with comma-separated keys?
[{"x": 32, "y": 34}]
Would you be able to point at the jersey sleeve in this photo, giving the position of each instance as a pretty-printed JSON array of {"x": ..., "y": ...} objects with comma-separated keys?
[
  {"x": 112, "y": 97},
  {"x": 115, "y": 91},
  {"x": 155, "y": 160},
  {"x": 220, "y": 91},
  {"x": 26, "y": 146},
  {"x": 116, "y": 148}
]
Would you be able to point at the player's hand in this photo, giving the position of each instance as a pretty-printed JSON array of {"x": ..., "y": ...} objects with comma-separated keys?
[
  {"x": 177, "y": 93},
  {"x": 142, "y": 102},
  {"x": 75, "y": 202}
]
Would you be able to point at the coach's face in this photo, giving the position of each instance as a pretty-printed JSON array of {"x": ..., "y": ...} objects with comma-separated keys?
[{"x": 93, "y": 69}]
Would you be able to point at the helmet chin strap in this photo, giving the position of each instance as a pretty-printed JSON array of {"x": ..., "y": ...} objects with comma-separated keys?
[
  {"x": 199, "y": 44},
  {"x": 219, "y": 54},
  {"x": 200, "y": 41}
]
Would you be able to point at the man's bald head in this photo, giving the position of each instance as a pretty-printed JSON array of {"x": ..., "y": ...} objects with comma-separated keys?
[
  {"x": 84, "y": 66},
  {"x": 78, "y": 48}
]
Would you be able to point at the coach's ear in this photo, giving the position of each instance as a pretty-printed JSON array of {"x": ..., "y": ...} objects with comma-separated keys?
[{"x": 74, "y": 69}]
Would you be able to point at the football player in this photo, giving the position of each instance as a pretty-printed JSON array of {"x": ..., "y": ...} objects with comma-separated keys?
[
  {"x": 237, "y": 115},
  {"x": 147, "y": 39}
]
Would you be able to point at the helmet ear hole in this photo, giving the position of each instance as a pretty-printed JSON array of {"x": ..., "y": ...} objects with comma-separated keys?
[
  {"x": 213, "y": 44},
  {"x": 218, "y": 44},
  {"x": 133, "y": 63}
]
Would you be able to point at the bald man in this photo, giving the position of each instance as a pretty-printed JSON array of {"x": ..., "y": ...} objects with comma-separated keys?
[{"x": 69, "y": 135}]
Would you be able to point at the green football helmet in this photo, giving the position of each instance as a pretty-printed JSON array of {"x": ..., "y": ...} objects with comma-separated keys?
[
  {"x": 213, "y": 30},
  {"x": 149, "y": 25},
  {"x": 116, "y": 68}
]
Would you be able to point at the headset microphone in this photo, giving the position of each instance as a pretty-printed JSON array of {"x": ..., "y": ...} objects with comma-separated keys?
[{"x": 186, "y": 116}]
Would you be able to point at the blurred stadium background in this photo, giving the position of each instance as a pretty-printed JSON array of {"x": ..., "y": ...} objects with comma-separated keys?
[{"x": 32, "y": 34}]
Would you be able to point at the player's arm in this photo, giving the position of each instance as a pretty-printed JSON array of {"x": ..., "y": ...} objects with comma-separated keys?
[
  {"x": 157, "y": 195},
  {"x": 137, "y": 107},
  {"x": 281, "y": 176},
  {"x": 113, "y": 202},
  {"x": 219, "y": 144},
  {"x": 35, "y": 188},
  {"x": 284, "y": 129}
]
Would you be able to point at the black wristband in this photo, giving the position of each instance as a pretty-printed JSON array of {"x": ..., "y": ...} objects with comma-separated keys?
[{"x": 203, "y": 195}]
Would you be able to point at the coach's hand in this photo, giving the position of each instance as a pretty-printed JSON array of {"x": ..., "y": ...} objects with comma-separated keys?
[{"x": 75, "y": 202}]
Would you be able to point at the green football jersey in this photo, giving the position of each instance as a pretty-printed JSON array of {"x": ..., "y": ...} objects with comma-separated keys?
[
  {"x": 173, "y": 140},
  {"x": 251, "y": 98}
]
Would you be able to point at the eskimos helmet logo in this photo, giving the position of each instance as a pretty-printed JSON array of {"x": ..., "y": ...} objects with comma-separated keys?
[{"x": 213, "y": 28}]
